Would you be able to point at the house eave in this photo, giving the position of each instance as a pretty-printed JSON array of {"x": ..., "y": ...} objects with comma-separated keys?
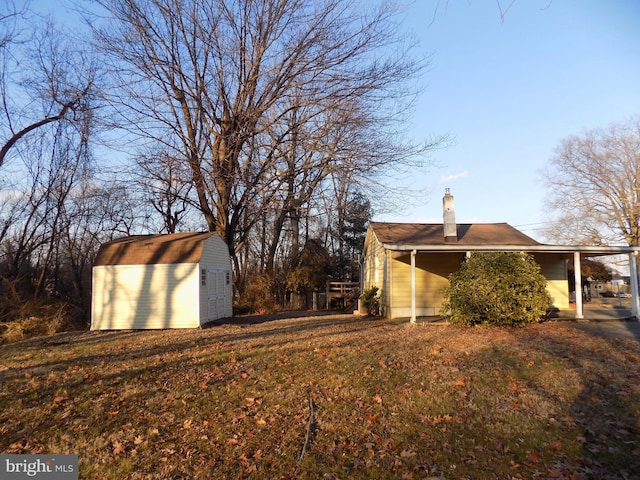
[{"x": 584, "y": 250}]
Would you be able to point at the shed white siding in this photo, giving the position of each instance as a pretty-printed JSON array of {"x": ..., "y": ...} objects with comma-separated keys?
[
  {"x": 216, "y": 296},
  {"x": 190, "y": 291},
  {"x": 145, "y": 296}
]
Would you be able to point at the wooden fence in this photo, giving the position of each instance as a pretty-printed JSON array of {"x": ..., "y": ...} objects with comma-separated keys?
[{"x": 342, "y": 294}]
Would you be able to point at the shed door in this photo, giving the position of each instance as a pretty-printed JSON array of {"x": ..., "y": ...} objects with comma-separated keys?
[{"x": 216, "y": 293}]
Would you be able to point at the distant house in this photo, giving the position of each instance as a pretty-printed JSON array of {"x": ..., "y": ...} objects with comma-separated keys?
[
  {"x": 181, "y": 280},
  {"x": 410, "y": 263}
]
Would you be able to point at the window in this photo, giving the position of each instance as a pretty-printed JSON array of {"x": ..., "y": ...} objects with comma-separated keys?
[
  {"x": 227, "y": 277},
  {"x": 203, "y": 277}
]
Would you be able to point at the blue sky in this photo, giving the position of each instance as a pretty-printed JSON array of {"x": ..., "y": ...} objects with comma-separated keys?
[{"x": 509, "y": 89}]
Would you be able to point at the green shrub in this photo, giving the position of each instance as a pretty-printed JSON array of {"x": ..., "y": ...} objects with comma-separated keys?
[
  {"x": 497, "y": 288},
  {"x": 371, "y": 301}
]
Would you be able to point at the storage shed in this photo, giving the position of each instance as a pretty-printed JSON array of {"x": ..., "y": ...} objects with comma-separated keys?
[{"x": 181, "y": 280}]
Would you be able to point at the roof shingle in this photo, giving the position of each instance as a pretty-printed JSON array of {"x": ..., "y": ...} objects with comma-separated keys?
[
  {"x": 152, "y": 249},
  {"x": 476, "y": 234}
]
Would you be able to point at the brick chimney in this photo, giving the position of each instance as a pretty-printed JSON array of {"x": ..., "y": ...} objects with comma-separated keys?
[{"x": 449, "y": 217}]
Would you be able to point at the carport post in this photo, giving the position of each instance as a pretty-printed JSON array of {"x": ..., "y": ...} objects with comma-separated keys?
[
  {"x": 413, "y": 286},
  {"x": 633, "y": 272},
  {"x": 578, "y": 278}
]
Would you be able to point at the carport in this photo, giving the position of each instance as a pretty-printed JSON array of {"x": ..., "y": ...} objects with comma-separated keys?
[
  {"x": 583, "y": 251},
  {"x": 578, "y": 252}
]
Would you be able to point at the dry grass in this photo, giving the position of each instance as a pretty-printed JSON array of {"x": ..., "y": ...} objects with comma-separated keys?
[
  {"x": 34, "y": 320},
  {"x": 369, "y": 398}
]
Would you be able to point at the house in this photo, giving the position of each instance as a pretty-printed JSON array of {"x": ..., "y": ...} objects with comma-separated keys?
[
  {"x": 410, "y": 263},
  {"x": 180, "y": 280}
]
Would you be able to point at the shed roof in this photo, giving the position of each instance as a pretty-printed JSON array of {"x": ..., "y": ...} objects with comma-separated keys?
[
  {"x": 153, "y": 249},
  {"x": 432, "y": 234}
]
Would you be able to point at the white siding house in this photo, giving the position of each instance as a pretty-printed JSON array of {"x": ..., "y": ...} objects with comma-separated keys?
[{"x": 181, "y": 280}]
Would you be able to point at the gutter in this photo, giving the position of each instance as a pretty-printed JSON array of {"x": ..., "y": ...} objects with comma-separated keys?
[{"x": 583, "y": 249}]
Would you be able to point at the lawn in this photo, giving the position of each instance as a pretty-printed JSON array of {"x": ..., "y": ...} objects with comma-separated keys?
[{"x": 327, "y": 397}]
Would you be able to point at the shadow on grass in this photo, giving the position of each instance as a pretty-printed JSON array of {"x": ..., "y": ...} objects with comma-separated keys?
[
  {"x": 108, "y": 381},
  {"x": 170, "y": 341},
  {"x": 606, "y": 412},
  {"x": 633, "y": 326},
  {"x": 270, "y": 317}
]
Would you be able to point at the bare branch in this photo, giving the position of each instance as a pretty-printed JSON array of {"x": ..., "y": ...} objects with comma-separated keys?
[{"x": 594, "y": 184}]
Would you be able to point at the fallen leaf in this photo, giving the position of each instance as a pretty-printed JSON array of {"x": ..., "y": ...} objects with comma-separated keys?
[
  {"x": 117, "y": 448},
  {"x": 60, "y": 397},
  {"x": 407, "y": 453},
  {"x": 459, "y": 382},
  {"x": 534, "y": 456}
]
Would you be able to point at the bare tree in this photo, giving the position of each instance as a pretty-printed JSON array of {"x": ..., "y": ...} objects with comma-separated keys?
[
  {"x": 48, "y": 233},
  {"x": 163, "y": 184},
  {"x": 593, "y": 182},
  {"x": 228, "y": 85},
  {"x": 10, "y": 16},
  {"x": 46, "y": 80}
]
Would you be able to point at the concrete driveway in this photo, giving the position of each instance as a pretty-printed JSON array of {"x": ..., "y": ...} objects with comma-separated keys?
[
  {"x": 611, "y": 318},
  {"x": 629, "y": 329}
]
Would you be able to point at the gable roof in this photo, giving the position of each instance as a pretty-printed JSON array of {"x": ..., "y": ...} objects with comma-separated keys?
[
  {"x": 153, "y": 249},
  {"x": 469, "y": 234}
]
